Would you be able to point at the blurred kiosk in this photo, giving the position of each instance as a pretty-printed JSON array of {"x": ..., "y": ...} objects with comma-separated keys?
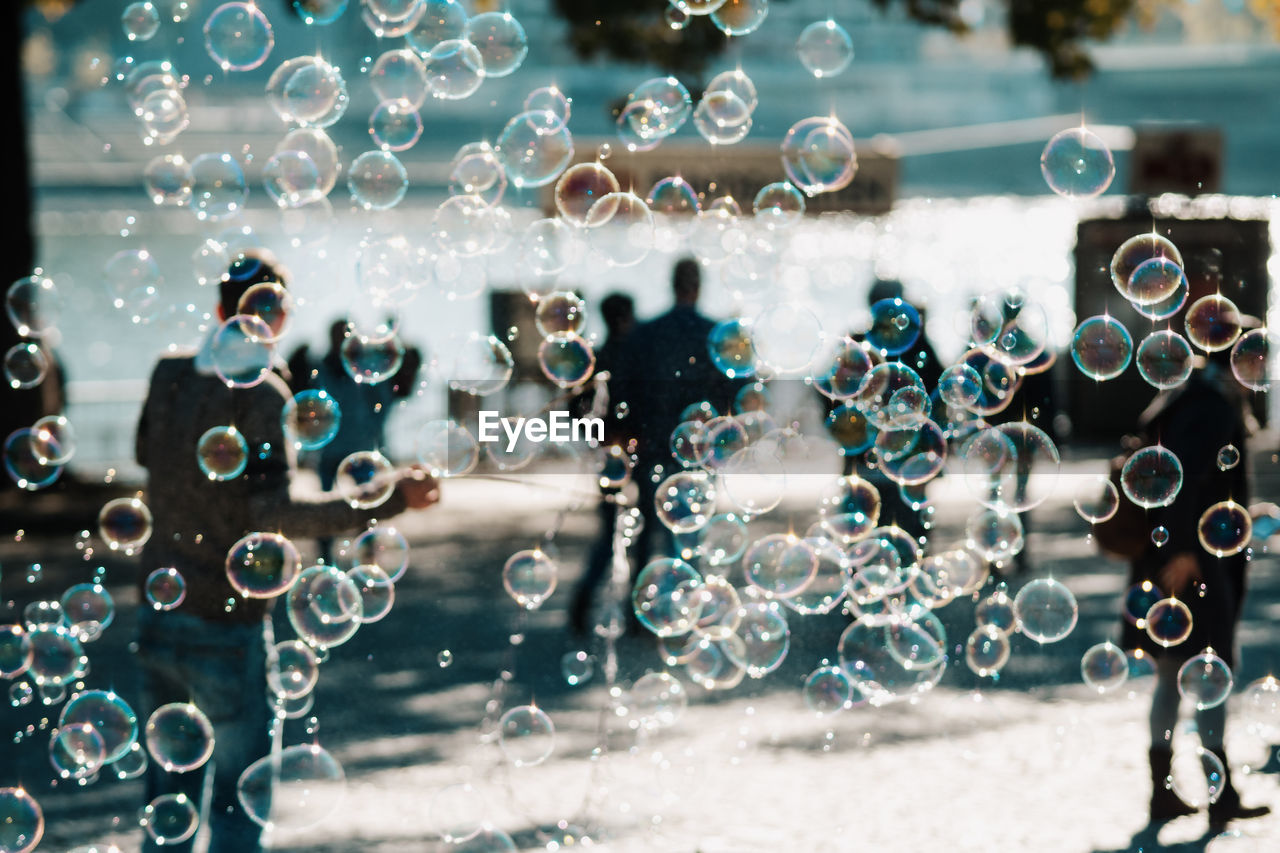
[{"x": 1165, "y": 159}]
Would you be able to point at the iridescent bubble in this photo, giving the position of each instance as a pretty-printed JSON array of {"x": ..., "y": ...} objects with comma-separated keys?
[
  {"x": 1076, "y": 163},
  {"x": 1138, "y": 602},
  {"x": 238, "y": 36},
  {"x": 179, "y": 737},
  {"x": 377, "y": 180},
  {"x": 294, "y": 789},
  {"x": 1151, "y": 477},
  {"x": 849, "y": 510},
  {"x": 164, "y": 116},
  {"x": 76, "y": 751},
  {"x": 311, "y": 91},
  {"x": 818, "y": 155},
  {"x": 222, "y": 453},
  {"x": 566, "y": 359},
  {"x": 960, "y": 386},
  {"x": 1046, "y": 610},
  {"x": 1252, "y": 362},
  {"x": 527, "y": 735},
  {"x": 1164, "y": 359},
  {"x": 476, "y": 170},
  {"x": 987, "y": 651},
  {"x": 88, "y": 609},
  {"x": 34, "y": 306},
  {"x": 501, "y": 41},
  {"x": 1213, "y": 323},
  {"x": 1169, "y": 622},
  {"x": 740, "y": 17},
  {"x": 140, "y": 21},
  {"x": 622, "y": 229},
  {"x": 168, "y": 180},
  {"x": 21, "y": 821},
  {"x": 132, "y": 279},
  {"x": 779, "y": 564},
  {"x": 765, "y": 638},
  {"x": 674, "y": 196},
  {"x": 824, "y": 48},
  {"x": 395, "y": 126},
  {"x": 1225, "y": 528},
  {"x": 1206, "y": 680},
  {"x": 165, "y": 589},
  {"x": 292, "y": 179},
  {"x": 57, "y": 657},
  {"x": 548, "y": 246},
  {"x": 325, "y": 607},
  {"x": 994, "y": 535},
  {"x": 370, "y": 360},
  {"x": 549, "y": 98},
  {"x": 311, "y": 419},
  {"x": 1154, "y": 281},
  {"x": 529, "y": 577},
  {"x": 15, "y": 651},
  {"x": 686, "y": 500},
  {"x": 580, "y": 187},
  {"x": 778, "y": 205},
  {"x": 895, "y": 326},
  {"x": 399, "y": 76},
  {"x": 667, "y": 597},
  {"x": 218, "y": 188},
  {"x": 1197, "y": 776},
  {"x": 241, "y": 351},
  {"x": 463, "y": 225},
  {"x": 366, "y": 479},
  {"x": 319, "y": 12},
  {"x": 125, "y": 524},
  {"x": 1104, "y": 667},
  {"x": 20, "y": 693},
  {"x": 561, "y": 312},
  {"x": 455, "y": 69},
  {"x": 441, "y": 20},
  {"x": 377, "y": 592},
  {"x": 384, "y": 547},
  {"x": 534, "y": 148},
  {"x": 722, "y": 117},
  {"x": 730, "y": 348},
  {"x": 828, "y": 690},
  {"x": 656, "y": 109},
  {"x": 1101, "y": 347},
  {"x": 1160, "y": 535},
  {"x": 576, "y": 668},
  {"x": 25, "y": 366},
  {"x": 263, "y": 565},
  {"x": 1228, "y": 457},
  {"x": 1097, "y": 500},
  {"x": 483, "y": 365},
  {"x": 657, "y": 700},
  {"x": 110, "y": 717},
  {"x": 1137, "y": 250}
]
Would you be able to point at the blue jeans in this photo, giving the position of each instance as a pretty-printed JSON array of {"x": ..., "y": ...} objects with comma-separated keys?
[{"x": 220, "y": 668}]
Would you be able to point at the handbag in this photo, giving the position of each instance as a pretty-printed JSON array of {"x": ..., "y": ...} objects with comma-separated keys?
[{"x": 1127, "y": 533}]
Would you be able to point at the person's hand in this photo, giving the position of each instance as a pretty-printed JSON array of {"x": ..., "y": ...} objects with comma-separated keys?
[
  {"x": 419, "y": 489},
  {"x": 1178, "y": 573}
]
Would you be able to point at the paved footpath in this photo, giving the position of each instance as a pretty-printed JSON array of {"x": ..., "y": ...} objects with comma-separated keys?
[{"x": 1033, "y": 762}]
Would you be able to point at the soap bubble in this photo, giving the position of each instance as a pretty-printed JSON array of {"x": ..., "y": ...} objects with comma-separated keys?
[
  {"x": 76, "y": 751},
  {"x": 15, "y": 651},
  {"x": 218, "y": 188},
  {"x": 1197, "y": 776},
  {"x": 1101, "y": 347},
  {"x": 1046, "y": 610},
  {"x": 994, "y": 535},
  {"x": 25, "y": 366},
  {"x": 1151, "y": 477},
  {"x": 576, "y": 667},
  {"x": 778, "y": 205},
  {"x": 463, "y": 226},
  {"x": 668, "y": 597},
  {"x": 295, "y": 671},
  {"x": 168, "y": 180},
  {"x": 656, "y": 109},
  {"x": 292, "y": 179},
  {"x": 125, "y": 524},
  {"x": 455, "y": 69},
  {"x": 165, "y": 589},
  {"x": 319, "y": 12},
  {"x": 779, "y": 564},
  {"x": 1206, "y": 680},
  {"x": 722, "y": 117},
  {"x": 1076, "y": 163},
  {"x": 1097, "y": 500},
  {"x": 730, "y": 348},
  {"x": 622, "y": 229},
  {"x": 1164, "y": 359},
  {"x": 566, "y": 359},
  {"x": 673, "y": 196},
  {"x": 377, "y": 180},
  {"x": 384, "y": 547},
  {"x": 140, "y": 21},
  {"x": 440, "y": 20},
  {"x": 34, "y": 306},
  {"x": 824, "y": 48},
  {"x": 1169, "y": 622},
  {"x": 395, "y": 126},
  {"x": 1228, "y": 457},
  {"x": 501, "y": 41},
  {"x": 580, "y": 187},
  {"x": 57, "y": 657},
  {"x": 483, "y": 365},
  {"x": 786, "y": 337},
  {"x": 164, "y": 116},
  {"x": 377, "y": 592},
  {"x": 818, "y": 155},
  {"x": 657, "y": 700},
  {"x": 297, "y": 788},
  {"x": 1225, "y": 528},
  {"x": 1213, "y": 323},
  {"x": 311, "y": 419},
  {"x": 311, "y": 91},
  {"x": 1251, "y": 360},
  {"x": 325, "y": 607},
  {"x": 262, "y": 565},
  {"x": 1154, "y": 281},
  {"x": 987, "y": 651},
  {"x": 238, "y": 36},
  {"x": 370, "y": 360},
  {"x": 828, "y": 690},
  {"x": 895, "y": 326},
  {"x": 685, "y": 501},
  {"x": 527, "y": 735},
  {"x": 1104, "y": 667},
  {"x": 365, "y": 479},
  {"x": 88, "y": 609},
  {"x": 222, "y": 453},
  {"x": 476, "y": 170},
  {"x": 179, "y": 737},
  {"x": 132, "y": 279},
  {"x": 1138, "y": 601},
  {"x": 561, "y": 312},
  {"x": 534, "y": 148},
  {"x": 241, "y": 351},
  {"x": 723, "y": 539},
  {"x": 548, "y": 246},
  {"x": 849, "y": 510},
  {"x": 170, "y": 819},
  {"x": 740, "y": 17},
  {"x": 21, "y": 821},
  {"x": 551, "y": 99},
  {"x": 529, "y": 577},
  {"x": 399, "y": 76},
  {"x": 109, "y": 716},
  {"x": 765, "y": 638}
]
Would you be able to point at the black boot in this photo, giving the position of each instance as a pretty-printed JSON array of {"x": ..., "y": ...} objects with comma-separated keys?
[
  {"x": 1228, "y": 807},
  {"x": 1165, "y": 804}
]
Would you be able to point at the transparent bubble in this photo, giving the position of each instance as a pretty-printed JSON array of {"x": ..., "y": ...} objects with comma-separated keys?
[
  {"x": 549, "y": 98},
  {"x": 892, "y": 659},
  {"x": 1197, "y": 776},
  {"x": 222, "y": 453},
  {"x": 1151, "y": 477},
  {"x": 170, "y": 819},
  {"x": 723, "y": 539},
  {"x": 566, "y": 359},
  {"x": 445, "y": 659},
  {"x": 377, "y": 592},
  {"x": 395, "y": 126},
  {"x": 399, "y": 76},
  {"x": 548, "y": 246},
  {"x": 824, "y": 48},
  {"x": 179, "y": 737},
  {"x": 168, "y": 180},
  {"x": 21, "y": 821},
  {"x": 311, "y": 91},
  {"x": 828, "y": 586},
  {"x": 164, "y": 116},
  {"x": 1101, "y": 347},
  {"x": 34, "y": 306},
  {"x": 370, "y": 360},
  {"x": 165, "y": 589},
  {"x": 765, "y": 638},
  {"x": 325, "y": 607},
  {"x": 76, "y": 751},
  {"x": 292, "y": 179},
  {"x": 1206, "y": 680},
  {"x": 241, "y": 351},
  {"x": 25, "y": 366},
  {"x": 895, "y": 326},
  {"x": 674, "y": 196},
  {"x": 15, "y": 651},
  {"x": 377, "y": 180},
  {"x": 1160, "y": 535},
  {"x": 685, "y": 501},
  {"x": 295, "y": 789},
  {"x": 576, "y": 668},
  {"x": 656, "y": 109},
  {"x": 1138, "y": 601},
  {"x": 441, "y": 20},
  {"x": 818, "y": 155},
  {"x": 657, "y": 700},
  {"x": 455, "y": 69},
  {"x": 20, "y": 693},
  {"x": 740, "y": 17},
  {"x": 1213, "y": 323},
  {"x": 1104, "y": 667},
  {"x": 780, "y": 564},
  {"x": 384, "y": 547},
  {"x": 140, "y": 21},
  {"x": 483, "y": 365},
  {"x": 238, "y": 36},
  {"x": 560, "y": 312},
  {"x": 57, "y": 657},
  {"x": 849, "y": 509},
  {"x": 319, "y": 12},
  {"x": 622, "y": 229},
  {"x": 529, "y": 577},
  {"x": 262, "y": 565},
  {"x": 580, "y": 187},
  {"x": 994, "y": 534},
  {"x": 132, "y": 279},
  {"x": 534, "y": 148},
  {"x": 960, "y": 386},
  {"x": 1169, "y": 622},
  {"x": 1225, "y": 528},
  {"x": 527, "y": 735},
  {"x": 730, "y": 348},
  {"x": 1155, "y": 281},
  {"x": 218, "y": 188},
  {"x": 365, "y": 479},
  {"x": 828, "y": 690},
  {"x": 1097, "y": 500},
  {"x": 501, "y": 41},
  {"x": 1137, "y": 250},
  {"x": 125, "y": 524},
  {"x": 667, "y": 597},
  {"x": 1046, "y": 610},
  {"x": 476, "y": 170},
  {"x": 676, "y": 17},
  {"x": 311, "y": 419},
  {"x": 1261, "y": 706},
  {"x": 722, "y": 117},
  {"x": 987, "y": 651},
  {"x": 778, "y": 205},
  {"x": 1076, "y": 163},
  {"x": 88, "y": 609},
  {"x": 1164, "y": 359}
]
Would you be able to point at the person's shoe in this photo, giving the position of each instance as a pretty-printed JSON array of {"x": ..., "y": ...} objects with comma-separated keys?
[
  {"x": 1228, "y": 807},
  {"x": 1165, "y": 804}
]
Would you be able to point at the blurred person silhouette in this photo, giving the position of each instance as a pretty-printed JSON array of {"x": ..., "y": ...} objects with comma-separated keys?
[
  {"x": 666, "y": 368},
  {"x": 1195, "y": 421},
  {"x": 619, "y": 314},
  {"x": 212, "y": 649}
]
